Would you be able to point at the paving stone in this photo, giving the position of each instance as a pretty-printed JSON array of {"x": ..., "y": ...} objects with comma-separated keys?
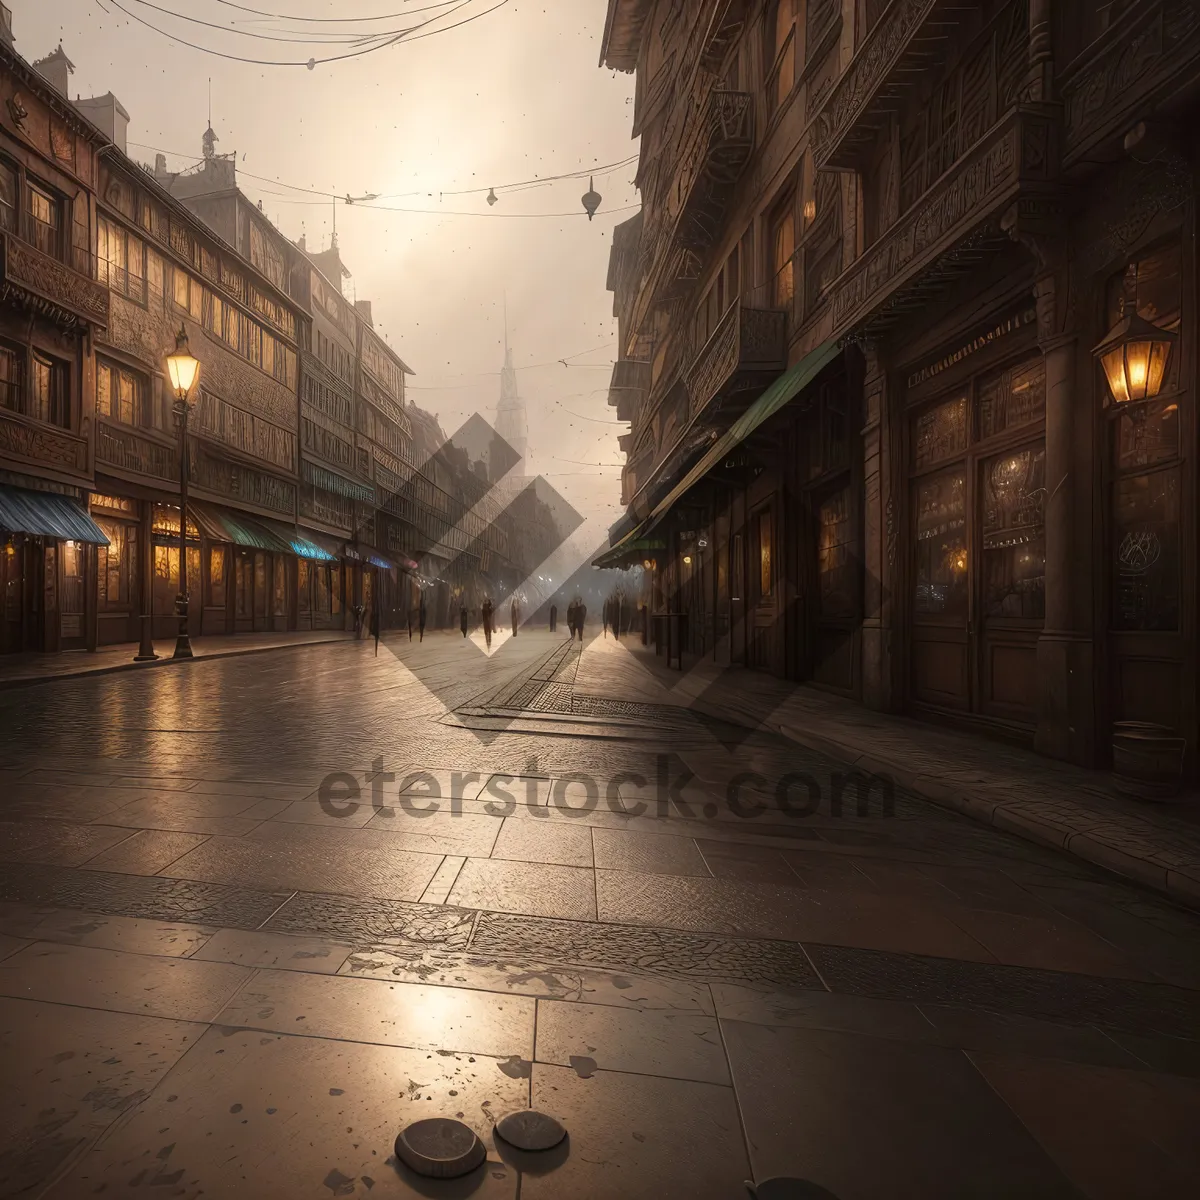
[
  {"x": 147, "y": 852},
  {"x": 643, "y": 950},
  {"x": 639, "y": 1137},
  {"x": 226, "y": 1120},
  {"x": 438, "y": 889},
  {"x": 357, "y": 920},
  {"x": 179, "y": 900},
  {"x": 542, "y": 842},
  {"x": 134, "y": 935},
  {"x": 934, "y": 1128},
  {"x": 1129, "y": 1005},
  {"x": 1114, "y": 1133},
  {"x": 624, "y": 850},
  {"x": 671, "y": 1044},
  {"x": 395, "y": 1014},
  {"x": 146, "y": 985},
  {"x": 285, "y": 952},
  {"x": 77, "y": 1071},
  {"x": 538, "y": 888},
  {"x": 55, "y": 842}
]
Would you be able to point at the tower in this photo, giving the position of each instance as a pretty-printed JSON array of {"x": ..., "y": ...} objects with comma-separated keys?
[{"x": 512, "y": 424}]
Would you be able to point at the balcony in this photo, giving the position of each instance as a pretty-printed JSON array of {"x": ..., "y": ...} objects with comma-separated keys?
[
  {"x": 52, "y": 288},
  {"x": 1011, "y": 169},
  {"x": 726, "y": 23},
  {"x": 629, "y": 385},
  {"x": 908, "y": 40},
  {"x": 746, "y": 350},
  {"x": 715, "y": 157},
  {"x": 1148, "y": 53}
]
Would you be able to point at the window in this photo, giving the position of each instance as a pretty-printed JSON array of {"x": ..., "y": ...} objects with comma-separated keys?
[
  {"x": 124, "y": 396},
  {"x": 303, "y": 596},
  {"x": 216, "y": 577},
  {"x": 783, "y": 251},
  {"x": 51, "y": 400},
  {"x": 766, "y": 574},
  {"x": 781, "y": 52},
  {"x": 11, "y": 379},
  {"x": 44, "y": 219},
  {"x": 9, "y": 191},
  {"x": 117, "y": 565},
  {"x": 120, "y": 260}
]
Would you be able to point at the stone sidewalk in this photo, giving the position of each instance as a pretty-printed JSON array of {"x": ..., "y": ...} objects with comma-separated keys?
[
  {"x": 1056, "y": 804},
  {"x": 19, "y": 669}
]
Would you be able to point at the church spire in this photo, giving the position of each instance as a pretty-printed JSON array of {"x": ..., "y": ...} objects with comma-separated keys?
[{"x": 512, "y": 424}]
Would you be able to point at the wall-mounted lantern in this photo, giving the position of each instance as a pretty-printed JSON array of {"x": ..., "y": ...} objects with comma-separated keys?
[{"x": 1134, "y": 356}]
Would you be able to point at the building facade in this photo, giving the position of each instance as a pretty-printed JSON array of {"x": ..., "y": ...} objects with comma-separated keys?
[
  {"x": 317, "y": 492},
  {"x": 863, "y": 315}
]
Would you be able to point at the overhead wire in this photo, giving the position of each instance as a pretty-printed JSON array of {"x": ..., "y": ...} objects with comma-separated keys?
[
  {"x": 258, "y": 12},
  {"x": 402, "y": 36}
]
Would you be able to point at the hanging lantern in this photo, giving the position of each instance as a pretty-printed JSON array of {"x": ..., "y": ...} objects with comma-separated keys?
[
  {"x": 492, "y": 197},
  {"x": 591, "y": 199},
  {"x": 1134, "y": 356}
]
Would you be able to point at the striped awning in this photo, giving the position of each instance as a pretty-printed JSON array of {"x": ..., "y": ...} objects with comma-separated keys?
[
  {"x": 47, "y": 514},
  {"x": 299, "y": 543}
]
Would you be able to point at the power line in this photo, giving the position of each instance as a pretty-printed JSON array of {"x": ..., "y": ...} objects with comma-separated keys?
[
  {"x": 313, "y": 62},
  {"x": 258, "y": 12}
]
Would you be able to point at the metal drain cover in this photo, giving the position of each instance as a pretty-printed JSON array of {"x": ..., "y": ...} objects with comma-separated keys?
[
  {"x": 440, "y": 1148},
  {"x": 527, "y": 1129}
]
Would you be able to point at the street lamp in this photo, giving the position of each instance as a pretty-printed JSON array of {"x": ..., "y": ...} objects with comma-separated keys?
[
  {"x": 1134, "y": 356},
  {"x": 184, "y": 370}
]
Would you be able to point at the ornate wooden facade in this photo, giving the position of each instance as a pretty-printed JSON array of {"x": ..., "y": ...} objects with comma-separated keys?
[{"x": 957, "y": 519}]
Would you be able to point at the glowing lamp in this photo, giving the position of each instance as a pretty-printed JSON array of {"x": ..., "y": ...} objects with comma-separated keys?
[
  {"x": 1134, "y": 356},
  {"x": 182, "y": 367}
]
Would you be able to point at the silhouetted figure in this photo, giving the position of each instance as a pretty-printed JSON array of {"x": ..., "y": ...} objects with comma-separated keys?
[
  {"x": 516, "y": 616},
  {"x": 375, "y": 626},
  {"x": 487, "y": 622},
  {"x": 421, "y": 617},
  {"x": 553, "y": 617},
  {"x": 462, "y": 620},
  {"x": 605, "y": 614},
  {"x": 580, "y": 617},
  {"x": 572, "y": 617}
]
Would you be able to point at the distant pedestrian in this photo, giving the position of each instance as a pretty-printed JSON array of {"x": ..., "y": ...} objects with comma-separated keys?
[
  {"x": 487, "y": 622},
  {"x": 421, "y": 617},
  {"x": 553, "y": 617},
  {"x": 572, "y": 615},
  {"x": 462, "y": 620},
  {"x": 605, "y": 611},
  {"x": 580, "y": 617},
  {"x": 516, "y": 616},
  {"x": 375, "y": 627}
]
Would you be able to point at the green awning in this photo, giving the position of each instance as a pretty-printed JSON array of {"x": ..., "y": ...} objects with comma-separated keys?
[
  {"x": 245, "y": 531},
  {"x": 47, "y": 514},
  {"x": 634, "y": 542},
  {"x": 298, "y": 543},
  {"x": 790, "y": 384}
]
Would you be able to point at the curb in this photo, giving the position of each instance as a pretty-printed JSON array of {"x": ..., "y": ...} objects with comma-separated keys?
[
  {"x": 1182, "y": 888},
  {"x": 165, "y": 660}
]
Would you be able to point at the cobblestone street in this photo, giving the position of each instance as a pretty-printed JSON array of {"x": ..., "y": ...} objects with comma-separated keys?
[{"x": 261, "y": 912}]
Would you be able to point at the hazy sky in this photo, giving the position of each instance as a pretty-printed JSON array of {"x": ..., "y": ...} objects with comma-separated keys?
[{"x": 514, "y": 94}]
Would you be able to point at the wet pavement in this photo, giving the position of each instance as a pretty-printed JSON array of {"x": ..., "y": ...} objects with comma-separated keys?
[{"x": 257, "y": 913}]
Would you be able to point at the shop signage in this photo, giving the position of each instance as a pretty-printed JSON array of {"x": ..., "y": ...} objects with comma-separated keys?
[{"x": 1018, "y": 320}]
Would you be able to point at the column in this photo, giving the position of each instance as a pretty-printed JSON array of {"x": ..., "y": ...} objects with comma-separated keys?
[{"x": 1065, "y": 660}]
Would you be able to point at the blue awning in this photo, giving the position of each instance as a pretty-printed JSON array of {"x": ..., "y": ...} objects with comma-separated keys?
[
  {"x": 382, "y": 563},
  {"x": 300, "y": 545},
  {"x": 47, "y": 514}
]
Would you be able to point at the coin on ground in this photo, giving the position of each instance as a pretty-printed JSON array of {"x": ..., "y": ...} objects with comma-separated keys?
[
  {"x": 440, "y": 1148},
  {"x": 528, "y": 1129}
]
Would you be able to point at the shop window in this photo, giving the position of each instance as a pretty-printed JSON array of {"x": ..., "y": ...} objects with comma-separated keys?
[
  {"x": 766, "y": 564},
  {"x": 43, "y": 216},
  {"x": 837, "y": 572},
  {"x": 9, "y": 192},
  {"x": 117, "y": 565},
  {"x": 303, "y": 586},
  {"x": 781, "y": 52},
  {"x": 216, "y": 577},
  {"x": 280, "y": 588},
  {"x": 164, "y": 523},
  {"x": 12, "y": 581},
  {"x": 322, "y": 606},
  {"x": 260, "y": 584},
  {"x": 1146, "y": 551},
  {"x": 940, "y": 433},
  {"x": 783, "y": 252},
  {"x": 1011, "y": 398},
  {"x": 11, "y": 379},
  {"x": 166, "y": 576},
  {"x": 1014, "y": 534},
  {"x": 940, "y": 512},
  {"x": 50, "y": 394},
  {"x": 243, "y": 585}
]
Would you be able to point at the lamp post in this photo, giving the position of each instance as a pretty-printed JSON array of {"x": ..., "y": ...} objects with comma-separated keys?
[{"x": 184, "y": 370}]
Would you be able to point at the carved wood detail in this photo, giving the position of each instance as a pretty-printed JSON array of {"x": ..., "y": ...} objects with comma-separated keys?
[
  {"x": 34, "y": 442},
  {"x": 58, "y": 291}
]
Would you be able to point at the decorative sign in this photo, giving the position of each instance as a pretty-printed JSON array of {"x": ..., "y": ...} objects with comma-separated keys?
[{"x": 1026, "y": 316}]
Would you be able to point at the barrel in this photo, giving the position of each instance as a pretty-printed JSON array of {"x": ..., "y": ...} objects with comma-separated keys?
[{"x": 1147, "y": 760}]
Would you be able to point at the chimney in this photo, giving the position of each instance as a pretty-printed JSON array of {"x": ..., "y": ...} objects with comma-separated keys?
[
  {"x": 109, "y": 116},
  {"x": 6, "y": 33},
  {"x": 56, "y": 69},
  {"x": 160, "y": 168},
  {"x": 363, "y": 308}
]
